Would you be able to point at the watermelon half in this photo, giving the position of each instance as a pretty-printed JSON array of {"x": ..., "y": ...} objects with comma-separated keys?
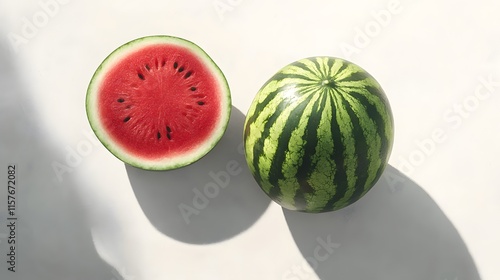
[
  {"x": 158, "y": 103},
  {"x": 318, "y": 134}
]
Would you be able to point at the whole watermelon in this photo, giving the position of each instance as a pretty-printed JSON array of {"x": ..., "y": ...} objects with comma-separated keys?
[{"x": 318, "y": 134}]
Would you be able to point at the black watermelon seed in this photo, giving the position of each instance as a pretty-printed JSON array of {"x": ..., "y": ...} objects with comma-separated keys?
[{"x": 169, "y": 131}]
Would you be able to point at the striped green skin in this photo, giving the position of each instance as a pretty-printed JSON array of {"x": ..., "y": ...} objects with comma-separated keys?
[{"x": 318, "y": 134}]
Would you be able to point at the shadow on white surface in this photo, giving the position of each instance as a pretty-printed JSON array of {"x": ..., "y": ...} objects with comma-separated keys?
[
  {"x": 52, "y": 236},
  {"x": 395, "y": 232},
  {"x": 208, "y": 201}
]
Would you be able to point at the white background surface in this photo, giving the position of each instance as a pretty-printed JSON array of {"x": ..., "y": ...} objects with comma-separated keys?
[{"x": 438, "y": 219}]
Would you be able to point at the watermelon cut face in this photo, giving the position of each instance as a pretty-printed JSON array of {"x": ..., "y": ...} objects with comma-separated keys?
[
  {"x": 318, "y": 134},
  {"x": 158, "y": 103}
]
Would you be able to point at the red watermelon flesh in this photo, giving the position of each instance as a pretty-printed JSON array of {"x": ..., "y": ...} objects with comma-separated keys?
[{"x": 161, "y": 104}]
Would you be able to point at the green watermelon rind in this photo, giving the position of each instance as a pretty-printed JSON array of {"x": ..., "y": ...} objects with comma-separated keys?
[
  {"x": 286, "y": 163},
  {"x": 165, "y": 163}
]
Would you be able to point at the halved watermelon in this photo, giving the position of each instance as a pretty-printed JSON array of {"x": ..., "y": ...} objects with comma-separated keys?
[{"x": 158, "y": 103}]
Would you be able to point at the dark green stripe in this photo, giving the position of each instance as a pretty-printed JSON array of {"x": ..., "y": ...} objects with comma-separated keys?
[
  {"x": 377, "y": 117},
  {"x": 355, "y": 77},
  {"x": 281, "y": 76},
  {"x": 258, "y": 147},
  {"x": 340, "y": 70},
  {"x": 381, "y": 127},
  {"x": 339, "y": 180},
  {"x": 260, "y": 107},
  {"x": 330, "y": 63},
  {"x": 275, "y": 172},
  {"x": 304, "y": 171},
  {"x": 387, "y": 127},
  {"x": 318, "y": 66},
  {"x": 306, "y": 67},
  {"x": 361, "y": 150}
]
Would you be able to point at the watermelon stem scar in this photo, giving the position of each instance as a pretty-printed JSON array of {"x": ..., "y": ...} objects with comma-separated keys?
[
  {"x": 158, "y": 103},
  {"x": 328, "y": 82}
]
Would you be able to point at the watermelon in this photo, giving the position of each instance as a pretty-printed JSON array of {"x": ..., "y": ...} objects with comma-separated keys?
[
  {"x": 158, "y": 103},
  {"x": 318, "y": 134}
]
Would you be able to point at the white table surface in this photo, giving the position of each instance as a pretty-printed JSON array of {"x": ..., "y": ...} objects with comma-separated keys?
[{"x": 434, "y": 215}]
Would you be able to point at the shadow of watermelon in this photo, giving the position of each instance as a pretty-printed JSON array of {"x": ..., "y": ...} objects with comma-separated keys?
[
  {"x": 208, "y": 201},
  {"x": 395, "y": 232}
]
